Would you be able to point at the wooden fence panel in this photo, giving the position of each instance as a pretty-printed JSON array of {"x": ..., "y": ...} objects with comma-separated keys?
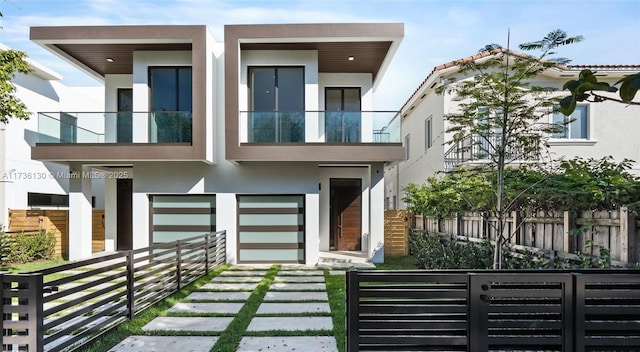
[
  {"x": 97, "y": 243},
  {"x": 396, "y": 232},
  {"x": 56, "y": 222},
  {"x": 556, "y": 231}
]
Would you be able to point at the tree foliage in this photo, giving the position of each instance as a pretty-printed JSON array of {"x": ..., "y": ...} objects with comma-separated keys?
[
  {"x": 584, "y": 88},
  {"x": 576, "y": 184},
  {"x": 12, "y": 62},
  {"x": 502, "y": 113}
]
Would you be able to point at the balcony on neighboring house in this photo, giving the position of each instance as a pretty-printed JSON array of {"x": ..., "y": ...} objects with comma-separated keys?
[{"x": 476, "y": 150}]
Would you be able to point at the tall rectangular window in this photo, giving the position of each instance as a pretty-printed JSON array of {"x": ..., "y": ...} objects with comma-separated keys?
[
  {"x": 428, "y": 133},
  {"x": 170, "y": 104},
  {"x": 407, "y": 146},
  {"x": 574, "y": 126},
  {"x": 342, "y": 117},
  {"x": 276, "y": 104}
]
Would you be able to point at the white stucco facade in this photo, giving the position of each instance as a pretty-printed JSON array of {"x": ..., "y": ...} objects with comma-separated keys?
[
  {"x": 272, "y": 209},
  {"x": 41, "y": 91},
  {"x": 611, "y": 129}
]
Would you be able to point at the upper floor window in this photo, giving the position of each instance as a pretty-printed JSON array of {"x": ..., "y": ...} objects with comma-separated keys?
[
  {"x": 428, "y": 133},
  {"x": 170, "y": 104},
  {"x": 277, "y": 104},
  {"x": 574, "y": 126},
  {"x": 170, "y": 88}
]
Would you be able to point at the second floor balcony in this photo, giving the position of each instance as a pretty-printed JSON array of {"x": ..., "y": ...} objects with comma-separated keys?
[
  {"x": 335, "y": 127},
  {"x": 115, "y": 127},
  {"x": 477, "y": 149},
  {"x": 118, "y": 136}
]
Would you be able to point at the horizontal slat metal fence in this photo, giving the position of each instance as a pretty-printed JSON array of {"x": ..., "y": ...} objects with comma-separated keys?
[
  {"x": 65, "y": 307},
  {"x": 589, "y": 310}
]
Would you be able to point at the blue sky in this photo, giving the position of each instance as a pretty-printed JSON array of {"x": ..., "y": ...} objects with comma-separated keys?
[{"x": 436, "y": 31}]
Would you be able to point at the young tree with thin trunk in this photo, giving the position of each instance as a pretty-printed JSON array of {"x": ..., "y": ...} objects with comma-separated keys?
[{"x": 502, "y": 113}]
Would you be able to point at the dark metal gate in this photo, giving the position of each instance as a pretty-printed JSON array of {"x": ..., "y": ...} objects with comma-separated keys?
[{"x": 493, "y": 311}]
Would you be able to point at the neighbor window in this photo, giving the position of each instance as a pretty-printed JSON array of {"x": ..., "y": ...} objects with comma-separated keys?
[
  {"x": 428, "y": 133},
  {"x": 407, "y": 143},
  {"x": 574, "y": 126}
]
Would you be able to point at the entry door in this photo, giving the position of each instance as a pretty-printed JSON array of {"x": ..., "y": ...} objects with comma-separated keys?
[
  {"x": 124, "y": 124},
  {"x": 124, "y": 200},
  {"x": 346, "y": 214}
]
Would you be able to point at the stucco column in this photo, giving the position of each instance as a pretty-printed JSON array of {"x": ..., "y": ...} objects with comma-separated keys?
[
  {"x": 140, "y": 218},
  {"x": 80, "y": 213},
  {"x": 226, "y": 219},
  {"x": 376, "y": 219},
  {"x": 312, "y": 229}
]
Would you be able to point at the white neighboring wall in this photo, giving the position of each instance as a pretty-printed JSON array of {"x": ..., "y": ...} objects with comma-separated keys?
[{"x": 41, "y": 91}]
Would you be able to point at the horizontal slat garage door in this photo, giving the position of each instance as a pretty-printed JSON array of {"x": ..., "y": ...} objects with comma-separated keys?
[
  {"x": 271, "y": 229},
  {"x": 177, "y": 217}
]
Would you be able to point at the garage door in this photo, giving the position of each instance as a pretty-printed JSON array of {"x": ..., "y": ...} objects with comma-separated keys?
[
  {"x": 176, "y": 217},
  {"x": 271, "y": 229}
]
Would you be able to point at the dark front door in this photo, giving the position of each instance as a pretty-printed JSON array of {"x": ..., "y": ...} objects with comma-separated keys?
[
  {"x": 346, "y": 214},
  {"x": 124, "y": 196}
]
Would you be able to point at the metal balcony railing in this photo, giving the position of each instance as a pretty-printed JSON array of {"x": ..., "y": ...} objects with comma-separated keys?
[{"x": 476, "y": 148}]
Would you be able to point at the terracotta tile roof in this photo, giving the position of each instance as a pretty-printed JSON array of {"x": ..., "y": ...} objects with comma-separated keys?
[
  {"x": 514, "y": 53},
  {"x": 608, "y": 67}
]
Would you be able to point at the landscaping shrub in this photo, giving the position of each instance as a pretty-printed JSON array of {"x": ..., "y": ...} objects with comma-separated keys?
[
  {"x": 431, "y": 253},
  {"x": 28, "y": 247},
  {"x": 5, "y": 248}
]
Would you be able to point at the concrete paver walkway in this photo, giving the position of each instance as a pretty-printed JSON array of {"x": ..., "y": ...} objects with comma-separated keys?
[{"x": 297, "y": 301}]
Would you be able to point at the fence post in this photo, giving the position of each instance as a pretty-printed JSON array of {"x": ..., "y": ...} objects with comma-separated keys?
[
  {"x": 518, "y": 228},
  {"x": 130, "y": 285},
  {"x": 627, "y": 236},
  {"x": 479, "y": 298},
  {"x": 570, "y": 240},
  {"x": 27, "y": 332},
  {"x": 179, "y": 265},
  {"x": 207, "y": 238},
  {"x": 353, "y": 310}
]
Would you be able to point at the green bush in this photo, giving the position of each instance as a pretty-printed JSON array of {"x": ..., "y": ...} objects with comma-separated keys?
[
  {"x": 28, "y": 247},
  {"x": 431, "y": 253},
  {"x": 5, "y": 248}
]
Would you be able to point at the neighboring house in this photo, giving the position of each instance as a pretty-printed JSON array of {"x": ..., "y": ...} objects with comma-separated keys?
[
  {"x": 597, "y": 129},
  {"x": 270, "y": 136},
  {"x": 27, "y": 183}
]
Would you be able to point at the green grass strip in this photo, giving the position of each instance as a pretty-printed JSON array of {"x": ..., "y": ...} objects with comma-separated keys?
[
  {"x": 230, "y": 337},
  {"x": 336, "y": 290},
  {"x": 134, "y": 327}
]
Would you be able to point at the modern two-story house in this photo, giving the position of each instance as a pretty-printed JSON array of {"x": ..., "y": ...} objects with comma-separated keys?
[
  {"x": 595, "y": 130},
  {"x": 269, "y": 135}
]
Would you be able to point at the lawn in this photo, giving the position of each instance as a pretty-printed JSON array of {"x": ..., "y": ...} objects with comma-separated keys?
[
  {"x": 397, "y": 263},
  {"x": 33, "y": 266}
]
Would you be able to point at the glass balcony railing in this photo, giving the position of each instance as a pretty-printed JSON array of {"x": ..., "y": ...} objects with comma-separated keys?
[
  {"x": 115, "y": 127},
  {"x": 320, "y": 127}
]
